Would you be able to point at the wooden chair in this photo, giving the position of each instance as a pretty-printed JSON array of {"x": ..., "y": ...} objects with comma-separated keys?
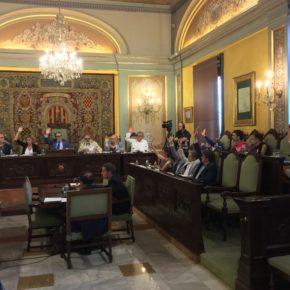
[
  {"x": 128, "y": 217},
  {"x": 271, "y": 138},
  {"x": 249, "y": 182},
  {"x": 280, "y": 272},
  {"x": 38, "y": 218},
  {"x": 228, "y": 181},
  {"x": 87, "y": 205}
]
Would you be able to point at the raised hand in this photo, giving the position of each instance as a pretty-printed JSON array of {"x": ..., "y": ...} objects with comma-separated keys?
[
  {"x": 20, "y": 129},
  {"x": 48, "y": 131},
  {"x": 203, "y": 133},
  {"x": 170, "y": 139},
  {"x": 130, "y": 130}
]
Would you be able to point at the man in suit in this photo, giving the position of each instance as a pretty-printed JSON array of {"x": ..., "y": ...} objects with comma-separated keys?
[
  {"x": 5, "y": 147},
  {"x": 58, "y": 143},
  {"x": 206, "y": 173},
  {"x": 120, "y": 195}
]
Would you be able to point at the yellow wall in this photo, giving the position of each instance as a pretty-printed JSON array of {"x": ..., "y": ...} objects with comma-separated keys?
[
  {"x": 243, "y": 57},
  {"x": 250, "y": 54}
]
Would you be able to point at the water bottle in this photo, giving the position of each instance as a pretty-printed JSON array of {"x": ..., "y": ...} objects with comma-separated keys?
[
  {"x": 11, "y": 151},
  {"x": 137, "y": 162},
  {"x": 147, "y": 163},
  {"x": 107, "y": 146},
  {"x": 1, "y": 152}
]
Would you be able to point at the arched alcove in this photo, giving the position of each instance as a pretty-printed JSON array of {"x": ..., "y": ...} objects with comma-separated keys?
[
  {"x": 27, "y": 29},
  {"x": 204, "y": 16}
]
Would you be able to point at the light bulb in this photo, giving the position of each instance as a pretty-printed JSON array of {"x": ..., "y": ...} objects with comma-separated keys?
[{"x": 259, "y": 84}]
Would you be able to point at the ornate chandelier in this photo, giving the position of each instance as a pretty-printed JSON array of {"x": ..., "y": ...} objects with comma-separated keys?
[{"x": 60, "y": 62}]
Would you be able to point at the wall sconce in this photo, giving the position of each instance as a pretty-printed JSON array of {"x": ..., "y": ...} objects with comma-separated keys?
[
  {"x": 149, "y": 104},
  {"x": 266, "y": 93}
]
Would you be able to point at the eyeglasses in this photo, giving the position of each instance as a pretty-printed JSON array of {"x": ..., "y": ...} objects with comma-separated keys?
[{"x": 58, "y": 136}]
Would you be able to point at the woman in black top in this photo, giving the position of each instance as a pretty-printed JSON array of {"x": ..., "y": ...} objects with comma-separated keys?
[
  {"x": 258, "y": 145},
  {"x": 28, "y": 147}
]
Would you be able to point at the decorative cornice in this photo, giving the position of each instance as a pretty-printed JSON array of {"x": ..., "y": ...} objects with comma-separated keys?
[
  {"x": 90, "y": 59},
  {"x": 135, "y": 7}
]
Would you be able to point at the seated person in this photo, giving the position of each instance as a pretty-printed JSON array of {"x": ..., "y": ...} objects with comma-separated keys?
[
  {"x": 88, "y": 145},
  {"x": 258, "y": 146},
  {"x": 139, "y": 144},
  {"x": 28, "y": 147},
  {"x": 121, "y": 199},
  {"x": 90, "y": 229},
  {"x": 5, "y": 147},
  {"x": 112, "y": 144},
  {"x": 206, "y": 173},
  {"x": 183, "y": 135},
  {"x": 165, "y": 161},
  {"x": 58, "y": 143},
  {"x": 239, "y": 145}
]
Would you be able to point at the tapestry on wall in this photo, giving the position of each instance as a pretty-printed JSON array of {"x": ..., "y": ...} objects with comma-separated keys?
[{"x": 84, "y": 105}]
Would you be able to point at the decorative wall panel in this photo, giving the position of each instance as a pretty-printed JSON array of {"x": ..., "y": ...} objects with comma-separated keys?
[
  {"x": 85, "y": 105},
  {"x": 280, "y": 115},
  {"x": 137, "y": 85}
]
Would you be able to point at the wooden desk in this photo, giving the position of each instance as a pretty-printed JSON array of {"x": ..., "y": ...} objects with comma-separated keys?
[
  {"x": 265, "y": 232},
  {"x": 173, "y": 203},
  {"x": 57, "y": 169},
  {"x": 273, "y": 177}
]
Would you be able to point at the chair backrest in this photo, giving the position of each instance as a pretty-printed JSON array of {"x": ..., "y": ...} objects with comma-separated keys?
[
  {"x": 89, "y": 204},
  {"x": 27, "y": 191},
  {"x": 285, "y": 148},
  {"x": 271, "y": 141},
  {"x": 230, "y": 170},
  {"x": 218, "y": 161},
  {"x": 250, "y": 174},
  {"x": 130, "y": 186},
  {"x": 64, "y": 132},
  {"x": 226, "y": 141}
]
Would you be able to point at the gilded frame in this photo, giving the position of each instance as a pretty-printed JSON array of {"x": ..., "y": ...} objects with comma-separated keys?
[
  {"x": 244, "y": 94},
  {"x": 188, "y": 114}
]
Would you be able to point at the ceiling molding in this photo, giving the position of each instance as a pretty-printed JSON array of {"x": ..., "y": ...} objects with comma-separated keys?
[{"x": 87, "y": 4}]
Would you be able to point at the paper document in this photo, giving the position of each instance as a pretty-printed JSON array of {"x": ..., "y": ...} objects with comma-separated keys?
[{"x": 52, "y": 199}]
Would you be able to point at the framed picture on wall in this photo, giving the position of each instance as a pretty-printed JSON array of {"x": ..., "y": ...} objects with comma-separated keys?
[
  {"x": 188, "y": 114},
  {"x": 244, "y": 100}
]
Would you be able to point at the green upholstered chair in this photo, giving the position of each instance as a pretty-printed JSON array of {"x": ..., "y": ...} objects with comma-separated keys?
[
  {"x": 285, "y": 148},
  {"x": 38, "y": 218},
  {"x": 228, "y": 178},
  {"x": 280, "y": 272},
  {"x": 226, "y": 141},
  {"x": 249, "y": 181},
  {"x": 271, "y": 139},
  {"x": 85, "y": 205},
  {"x": 64, "y": 132},
  {"x": 127, "y": 218}
]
